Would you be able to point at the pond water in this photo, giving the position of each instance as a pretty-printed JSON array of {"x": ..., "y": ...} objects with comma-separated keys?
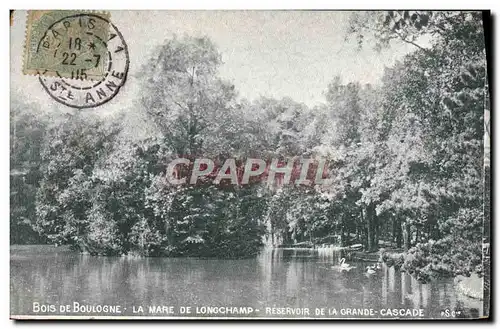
[{"x": 301, "y": 283}]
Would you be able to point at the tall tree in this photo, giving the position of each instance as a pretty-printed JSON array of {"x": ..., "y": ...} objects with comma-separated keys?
[{"x": 184, "y": 96}]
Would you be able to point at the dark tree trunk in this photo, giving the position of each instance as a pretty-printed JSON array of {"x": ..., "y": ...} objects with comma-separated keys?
[
  {"x": 370, "y": 224},
  {"x": 394, "y": 230},
  {"x": 406, "y": 235},
  {"x": 364, "y": 228},
  {"x": 399, "y": 232}
]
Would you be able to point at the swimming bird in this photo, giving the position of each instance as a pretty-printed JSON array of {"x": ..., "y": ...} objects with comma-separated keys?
[
  {"x": 370, "y": 270},
  {"x": 344, "y": 266}
]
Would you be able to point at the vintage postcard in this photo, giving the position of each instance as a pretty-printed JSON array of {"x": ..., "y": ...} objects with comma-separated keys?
[{"x": 249, "y": 164}]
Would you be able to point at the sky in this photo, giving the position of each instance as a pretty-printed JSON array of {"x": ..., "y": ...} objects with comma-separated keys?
[{"x": 265, "y": 53}]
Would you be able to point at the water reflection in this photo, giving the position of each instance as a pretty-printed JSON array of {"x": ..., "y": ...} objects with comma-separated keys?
[{"x": 277, "y": 278}]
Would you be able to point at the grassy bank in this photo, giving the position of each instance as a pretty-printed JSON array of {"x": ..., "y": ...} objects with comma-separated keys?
[
  {"x": 471, "y": 286},
  {"x": 425, "y": 270}
]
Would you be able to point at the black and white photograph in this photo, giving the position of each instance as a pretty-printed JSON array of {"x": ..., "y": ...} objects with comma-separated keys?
[{"x": 250, "y": 164}]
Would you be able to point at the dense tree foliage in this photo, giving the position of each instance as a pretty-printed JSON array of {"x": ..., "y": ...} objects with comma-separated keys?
[
  {"x": 434, "y": 104},
  {"x": 27, "y": 131},
  {"x": 404, "y": 157}
]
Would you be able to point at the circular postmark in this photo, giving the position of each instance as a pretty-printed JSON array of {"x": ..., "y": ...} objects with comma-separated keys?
[{"x": 85, "y": 60}]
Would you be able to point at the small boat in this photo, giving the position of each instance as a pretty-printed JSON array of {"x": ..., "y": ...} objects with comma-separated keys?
[{"x": 357, "y": 246}]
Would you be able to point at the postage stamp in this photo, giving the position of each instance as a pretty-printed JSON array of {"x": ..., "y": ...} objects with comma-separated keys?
[
  {"x": 80, "y": 57},
  {"x": 65, "y": 44}
]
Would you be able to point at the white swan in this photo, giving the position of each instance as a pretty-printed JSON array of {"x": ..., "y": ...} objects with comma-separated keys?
[
  {"x": 370, "y": 270},
  {"x": 344, "y": 266}
]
